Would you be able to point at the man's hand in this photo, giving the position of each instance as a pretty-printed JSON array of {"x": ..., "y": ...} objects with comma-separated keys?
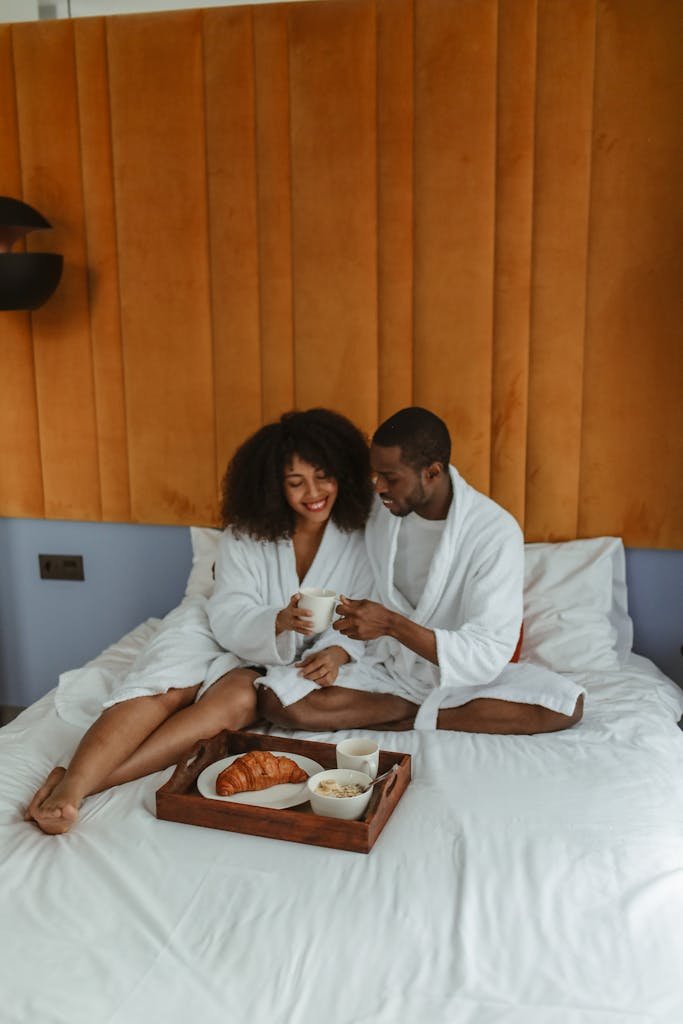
[
  {"x": 366, "y": 620},
  {"x": 322, "y": 667},
  {"x": 363, "y": 620},
  {"x": 298, "y": 620}
]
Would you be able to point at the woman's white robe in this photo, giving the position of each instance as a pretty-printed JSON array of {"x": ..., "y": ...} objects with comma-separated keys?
[
  {"x": 255, "y": 580},
  {"x": 473, "y": 600},
  {"x": 202, "y": 639}
]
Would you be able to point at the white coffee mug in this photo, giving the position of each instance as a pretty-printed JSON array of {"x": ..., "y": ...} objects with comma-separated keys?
[
  {"x": 361, "y": 755},
  {"x": 322, "y": 603}
]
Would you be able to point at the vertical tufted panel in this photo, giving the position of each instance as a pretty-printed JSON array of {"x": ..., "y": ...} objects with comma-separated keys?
[
  {"x": 562, "y": 179},
  {"x": 632, "y": 430},
  {"x": 156, "y": 76},
  {"x": 49, "y": 147},
  {"x": 102, "y": 265},
  {"x": 516, "y": 96},
  {"x": 233, "y": 231},
  {"x": 332, "y": 60},
  {"x": 20, "y": 464},
  {"x": 455, "y": 91},
  {"x": 395, "y": 202},
  {"x": 274, "y": 185}
]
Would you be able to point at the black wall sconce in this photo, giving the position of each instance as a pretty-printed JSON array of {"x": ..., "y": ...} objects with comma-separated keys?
[{"x": 27, "y": 279}]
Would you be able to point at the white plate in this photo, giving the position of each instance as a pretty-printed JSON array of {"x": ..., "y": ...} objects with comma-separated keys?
[{"x": 287, "y": 794}]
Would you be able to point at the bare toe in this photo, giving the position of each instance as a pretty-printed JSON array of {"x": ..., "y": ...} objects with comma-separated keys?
[
  {"x": 54, "y": 808},
  {"x": 55, "y": 821},
  {"x": 55, "y": 776}
]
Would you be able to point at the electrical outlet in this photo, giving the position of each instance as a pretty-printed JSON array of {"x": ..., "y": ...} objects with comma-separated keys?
[{"x": 61, "y": 567}]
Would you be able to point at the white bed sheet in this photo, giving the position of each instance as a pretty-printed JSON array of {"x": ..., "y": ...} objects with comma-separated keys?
[{"x": 524, "y": 880}]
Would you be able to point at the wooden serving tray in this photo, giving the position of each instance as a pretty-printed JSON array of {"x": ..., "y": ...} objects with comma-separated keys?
[{"x": 179, "y": 799}]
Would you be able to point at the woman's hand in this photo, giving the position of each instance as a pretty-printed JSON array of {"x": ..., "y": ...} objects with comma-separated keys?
[
  {"x": 322, "y": 668},
  {"x": 298, "y": 620}
]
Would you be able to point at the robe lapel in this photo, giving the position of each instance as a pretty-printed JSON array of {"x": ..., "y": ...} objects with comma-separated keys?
[
  {"x": 443, "y": 561},
  {"x": 396, "y": 598},
  {"x": 326, "y": 557},
  {"x": 286, "y": 565}
]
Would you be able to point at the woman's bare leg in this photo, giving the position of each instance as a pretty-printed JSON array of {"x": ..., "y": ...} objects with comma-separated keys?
[
  {"x": 140, "y": 736},
  {"x": 230, "y": 703},
  {"x": 118, "y": 731}
]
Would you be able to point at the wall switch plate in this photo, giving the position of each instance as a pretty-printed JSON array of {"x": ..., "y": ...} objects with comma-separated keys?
[{"x": 61, "y": 567}]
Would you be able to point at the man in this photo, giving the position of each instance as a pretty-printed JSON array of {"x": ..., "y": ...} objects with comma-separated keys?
[{"x": 448, "y": 565}]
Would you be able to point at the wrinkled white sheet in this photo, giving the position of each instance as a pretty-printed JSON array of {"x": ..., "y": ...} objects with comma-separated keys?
[{"x": 524, "y": 880}]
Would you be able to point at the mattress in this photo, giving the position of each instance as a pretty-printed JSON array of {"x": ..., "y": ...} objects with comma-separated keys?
[{"x": 525, "y": 880}]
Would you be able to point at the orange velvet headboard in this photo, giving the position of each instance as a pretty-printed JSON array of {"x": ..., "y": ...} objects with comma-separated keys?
[{"x": 472, "y": 205}]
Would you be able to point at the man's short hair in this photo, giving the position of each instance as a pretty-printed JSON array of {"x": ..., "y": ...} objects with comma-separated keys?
[{"x": 422, "y": 437}]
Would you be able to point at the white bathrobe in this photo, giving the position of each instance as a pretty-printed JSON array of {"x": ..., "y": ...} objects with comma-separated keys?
[
  {"x": 473, "y": 600},
  {"x": 255, "y": 580},
  {"x": 202, "y": 639}
]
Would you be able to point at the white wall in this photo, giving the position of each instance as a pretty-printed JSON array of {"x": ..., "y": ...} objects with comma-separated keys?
[
  {"x": 33, "y": 10},
  {"x": 87, "y": 8}
]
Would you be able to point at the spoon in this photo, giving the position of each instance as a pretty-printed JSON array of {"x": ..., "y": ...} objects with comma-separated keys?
[{"x": 380, "y": 778}]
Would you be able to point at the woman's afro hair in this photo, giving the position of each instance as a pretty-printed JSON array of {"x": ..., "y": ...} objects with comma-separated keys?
[{"x": 253, "y": 491}]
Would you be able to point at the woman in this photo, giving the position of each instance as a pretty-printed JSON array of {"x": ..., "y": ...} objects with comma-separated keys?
[{"x": 296, "y": 496}]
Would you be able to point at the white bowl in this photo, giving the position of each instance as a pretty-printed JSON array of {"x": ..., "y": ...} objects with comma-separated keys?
[{"x": 348, "y": 807}]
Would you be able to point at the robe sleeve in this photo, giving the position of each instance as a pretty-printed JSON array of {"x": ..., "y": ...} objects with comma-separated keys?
[
  {"x": 477, "y": 651},
  {"x": 242, "y": 619}
]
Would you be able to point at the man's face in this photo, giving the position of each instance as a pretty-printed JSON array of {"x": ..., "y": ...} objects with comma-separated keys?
[{"x": 399, "y": 486}]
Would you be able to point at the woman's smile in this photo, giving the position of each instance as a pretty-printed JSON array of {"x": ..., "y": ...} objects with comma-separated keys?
[
  {"x": 316, "y": 506},
  {"x": 309, "y": 491}
]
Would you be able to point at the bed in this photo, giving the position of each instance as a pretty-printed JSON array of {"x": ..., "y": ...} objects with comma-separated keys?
[{"x": 525, "y": 880}]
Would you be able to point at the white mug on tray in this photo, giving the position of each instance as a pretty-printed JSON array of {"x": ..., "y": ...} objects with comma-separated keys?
[{"x": 361, "y": 755}]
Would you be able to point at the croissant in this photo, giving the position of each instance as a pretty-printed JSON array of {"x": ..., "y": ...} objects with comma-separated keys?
[{"x": 258, "y": 769}]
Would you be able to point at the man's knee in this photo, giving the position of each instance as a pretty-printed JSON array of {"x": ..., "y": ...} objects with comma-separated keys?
[
  {"x": 545, "y": 720},
  {"x": 555, "y": 721}
]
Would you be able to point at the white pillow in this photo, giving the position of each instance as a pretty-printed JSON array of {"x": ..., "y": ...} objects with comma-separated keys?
[
  {"x": 204, "y": 551},
  {"x": 575, "y": 605}
]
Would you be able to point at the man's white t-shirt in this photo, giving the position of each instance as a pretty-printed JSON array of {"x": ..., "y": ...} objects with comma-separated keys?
[{"x": 418, "y": 539}]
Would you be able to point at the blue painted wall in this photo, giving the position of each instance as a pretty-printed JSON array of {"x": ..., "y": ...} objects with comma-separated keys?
[
  {"x": 132, "y": 573},
  {"x": 136, "y": 572},
  {"x": 655, "y": 599}
]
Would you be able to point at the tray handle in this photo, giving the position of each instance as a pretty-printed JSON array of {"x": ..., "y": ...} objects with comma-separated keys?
[
  {"x": 196, "y": 754},
  {"x": 389, "y": 784},
  {"x": 382, "y": 793},
  {"x": 199, "y": 757}
]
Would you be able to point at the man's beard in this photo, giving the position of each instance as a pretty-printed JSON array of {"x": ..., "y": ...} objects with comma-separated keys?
[{"x": 412, "y": 502}]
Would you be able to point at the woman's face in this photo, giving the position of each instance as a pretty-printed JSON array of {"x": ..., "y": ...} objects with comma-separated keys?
[{"x": 309, "y": 491}]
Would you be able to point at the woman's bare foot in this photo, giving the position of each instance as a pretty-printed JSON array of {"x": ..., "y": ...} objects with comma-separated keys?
[{"x": 54, "y": 807}]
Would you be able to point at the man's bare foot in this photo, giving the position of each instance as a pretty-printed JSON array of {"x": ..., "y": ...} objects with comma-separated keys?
[{"x": 54, "y": 807}]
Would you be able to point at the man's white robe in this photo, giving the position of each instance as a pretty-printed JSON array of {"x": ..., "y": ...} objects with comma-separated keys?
[{"x": 473, "y": 601}]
